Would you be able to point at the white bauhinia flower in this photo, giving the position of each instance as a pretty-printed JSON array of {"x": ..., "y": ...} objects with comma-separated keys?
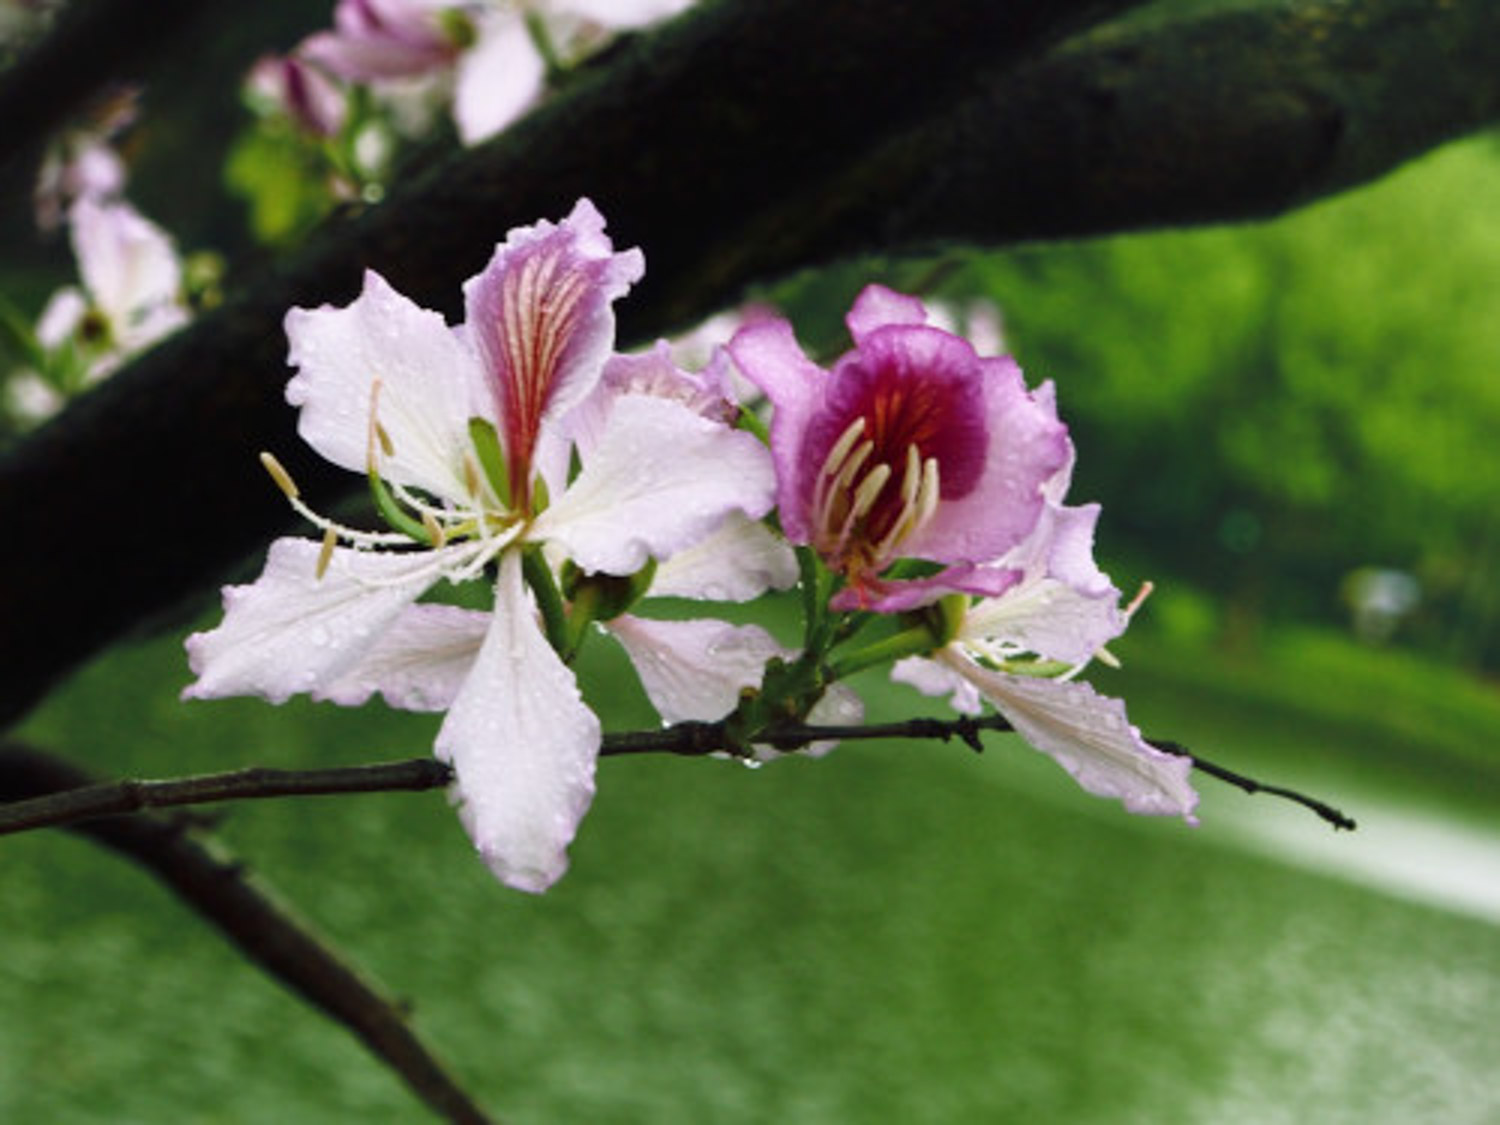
[
  {"x": 466, "y": 430},
  {"x": 1021, "y": 649}
]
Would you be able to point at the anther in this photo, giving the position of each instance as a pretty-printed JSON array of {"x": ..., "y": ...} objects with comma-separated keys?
[
  {"x": 869, "y": 490},
  {"x": 434, "y": 529},
  {"x": 841, "y": 447},
  {"x": 278, "y": 474},
  {"x": 325, "y": 553}
]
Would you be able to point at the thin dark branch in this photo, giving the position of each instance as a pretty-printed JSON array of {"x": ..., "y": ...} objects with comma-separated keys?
[
  {"x": 1332, "y": 815},
  {"x": 175, "y": 850},
  {"x": 688, "y": 739}
]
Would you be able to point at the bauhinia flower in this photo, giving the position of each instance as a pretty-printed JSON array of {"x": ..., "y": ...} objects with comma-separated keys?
[
  {"x": 130, "y": 298},
  {"x": 384, "y": 39},
  {"x": 1021, "y": 649},
  {"x": 911, "y": 446},
  {"x": 301, "y": 91},
  {"x": 467, "y": 438}
]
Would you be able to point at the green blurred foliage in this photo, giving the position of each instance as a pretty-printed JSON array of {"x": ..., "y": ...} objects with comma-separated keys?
[{"x": 1264, "y": 408}]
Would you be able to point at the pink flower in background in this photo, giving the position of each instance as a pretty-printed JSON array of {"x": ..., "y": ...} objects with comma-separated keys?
[
  {"x": 488, "y": 51},
  {"x": 373, "y": 40},
  {"x": 300, "y": 90},
  {"x": 469, "y": 429},
  {"x": 910, "y": 446}
]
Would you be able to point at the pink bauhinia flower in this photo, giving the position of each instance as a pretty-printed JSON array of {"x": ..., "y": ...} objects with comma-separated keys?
[
  {"x": 308, "y": 97},
  {"x": 469, "y": 432},
  {"x": 374, "y": 40},
  {"x": 1021, "y": 649},
  {"x": 910, "y": 446}
]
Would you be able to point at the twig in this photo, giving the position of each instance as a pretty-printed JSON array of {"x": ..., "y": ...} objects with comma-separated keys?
[
  {"x": 176, "y": 851},
  {"x": 1332, "y": 815},
  {"x": 415, "y": 774}
]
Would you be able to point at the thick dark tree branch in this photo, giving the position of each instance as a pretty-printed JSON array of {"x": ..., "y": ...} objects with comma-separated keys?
[
  {"x": 92, "y": 43},
  {"x": 759, "y": 136},
  {"x": 688, "y": 739},
  {"x": 1235, "y": 115},
  {"x": 184, "y": 858}
]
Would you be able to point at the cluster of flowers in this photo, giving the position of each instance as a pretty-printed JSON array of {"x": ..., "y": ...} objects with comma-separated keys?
[
  {"x": 132, "y": 291},
  {"x": 915, "y": 490},
  {"x": 490, "y": 59}
]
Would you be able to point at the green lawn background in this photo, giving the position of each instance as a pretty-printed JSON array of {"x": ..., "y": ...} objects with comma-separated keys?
[{"x": 895, "y": 933}]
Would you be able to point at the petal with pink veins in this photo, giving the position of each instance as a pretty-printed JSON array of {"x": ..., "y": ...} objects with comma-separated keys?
[{"x": 541, "y": 317}]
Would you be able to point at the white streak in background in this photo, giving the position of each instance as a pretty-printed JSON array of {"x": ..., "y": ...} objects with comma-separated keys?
[{"x": 1407, "y": 851}]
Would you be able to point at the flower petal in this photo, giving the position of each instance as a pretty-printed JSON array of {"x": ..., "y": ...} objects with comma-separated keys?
[
  {"x": 738, "y": 562},
  {"x": 694, "y": 670},
  {"x": 1089, "y": 736},
  {"x": 620, "y": 14},
  {"x": 1027, "y": 445},
  {"x": 419, "y": 664},
  {"x": 931, "y": 678},
  {"x": 430, "y": 385},
  {"x": 498, "y": 78},
  {"x": 876, "y": 306},
  {"x": 382, "y": 39},
  {"x": 130, "y": 268},
  {"x": 661, "y": 480},
  {"x": 291, "y": 631},
  {"x": 541, "y": 316},
  {"x": 902, "y": 594},
  {"x": 522, "y": 744},
  {"x": 840, "y": 706},
  {"x": 767, "y": 354}
]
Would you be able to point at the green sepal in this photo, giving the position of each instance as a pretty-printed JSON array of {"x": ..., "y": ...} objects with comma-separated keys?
[
  {"x": 788, "y": 691},
  {"x": 549, "y": 601},
  {"x": 486, "y": 442},
  {"x": 917, "y": 640}
]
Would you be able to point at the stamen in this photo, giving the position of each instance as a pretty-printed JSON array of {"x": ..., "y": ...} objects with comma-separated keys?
[
  {"x": 373, "y": 439},
  {"x": 386, "y": 445},
  {"x": 911, "y": 482},
  {"x": 928, "y": 502},
  {"x": 836, "y": 488},
  {"x": 325, "y": 555},
  {"x": 869, "y": 490},
  {"x": 278, "y": 474},
  {"x": 434, "y": 529},
  {"x": 841, "y": 447},
  {"x": 471, "y": 475},
  {"x": 1141, "y": 596}
]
